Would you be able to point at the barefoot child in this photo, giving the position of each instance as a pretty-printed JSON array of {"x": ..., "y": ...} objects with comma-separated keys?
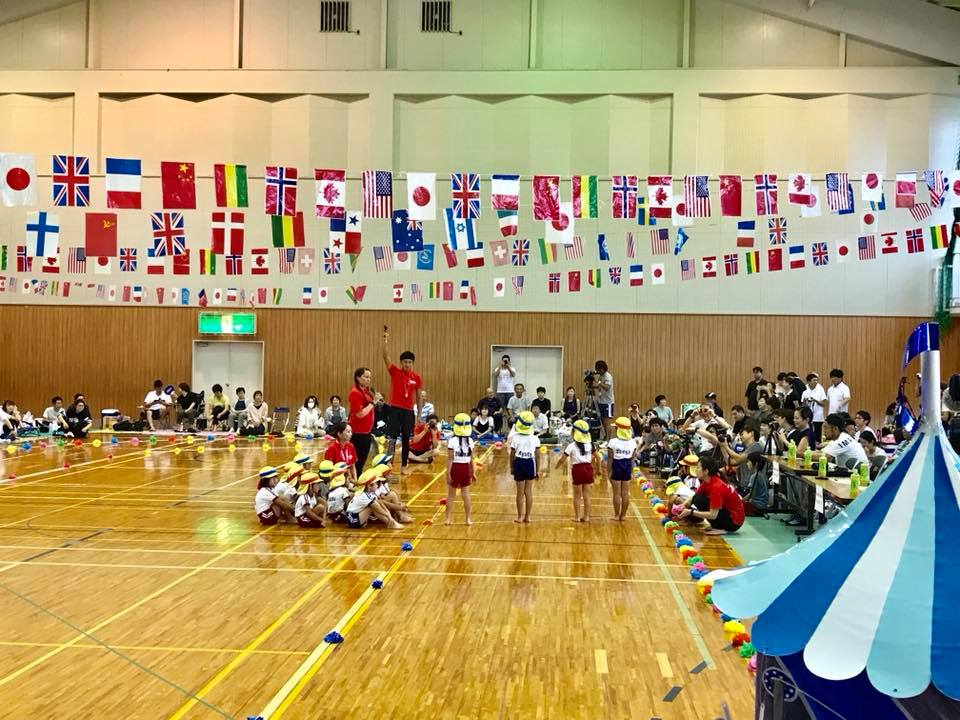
[
  {"x": 308, "y": 513},
  {"x": 337, "y": 499},
  {"x": 270, "y": 509},
  {"x": 623, "y": 448},
  {"x": 460, "y": 466},
  {"x": 391, "y": 500},
  {"x": 364, "y": 502},
  {"x": 580, "y": 452},
  {"x": 523, "y": 462}
]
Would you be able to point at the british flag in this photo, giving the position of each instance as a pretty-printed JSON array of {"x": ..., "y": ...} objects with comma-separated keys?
[
  {"x": 234, "y": 264},
  {"x": 731, "y": 264},
  {"x": 614, "y": 275},
  {"x": 331, "y": 262},
  {"x": 169, "y": 237},
  {"x": 280, "y": 185},
  {"x": 837, "y": 197},
  {"x": 465, "y": 192},
  {"x": 820, "y": 254},
  {"x": 778, "y": 230},
  {"x": 71, "y": 180},
  {"x": 128, "y": 259},
  {"x": 520, "y": 253},
  {"x": 287, "y": 259},
  {"x": 914, "y": 240},
  {"x": 553, "y": 283}
]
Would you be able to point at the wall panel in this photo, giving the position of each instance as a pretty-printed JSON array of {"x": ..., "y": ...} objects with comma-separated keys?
[{"x": 113, "y": 354}]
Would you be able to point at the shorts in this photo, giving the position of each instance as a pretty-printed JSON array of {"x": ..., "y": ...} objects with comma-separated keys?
[
  {"x": 524, "y": 469},
  {"x": 622, "y": 469},
  {"x": 461, "y": 475},
  {"x": 338, "y": 518},
  {"x": 307, "y": 521},
  {"x": 582, "y": 474},
  {"x": 268, "y": 517},
  {"x": 353, "y": 520},
  {"x": 606, "y": 411}
]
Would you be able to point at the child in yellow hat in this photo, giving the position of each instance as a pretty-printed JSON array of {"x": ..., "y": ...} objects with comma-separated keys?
[
  {"x": 580, "y": 452},
  {"x": 623, "y": 449},
  {"x": 391, "y": 500},
  {"x": 270, "y": 507},
  {"x": 286, "y": 487},
  {"x": 460, "y": 470},
  {"x": 338, "y": 495},
  {"x": 309, "y": 511},
  {"x": 523, "y": 463},
  {"x": 364, "y": 502}
]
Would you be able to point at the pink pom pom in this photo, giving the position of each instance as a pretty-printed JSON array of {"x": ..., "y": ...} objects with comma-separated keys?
[{"x": 699, "y": 566}]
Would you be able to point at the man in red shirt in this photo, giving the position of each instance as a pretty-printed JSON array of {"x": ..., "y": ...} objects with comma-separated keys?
[
  {"x": 405, "y": 384},
  {"x": 425, "y": 440}
]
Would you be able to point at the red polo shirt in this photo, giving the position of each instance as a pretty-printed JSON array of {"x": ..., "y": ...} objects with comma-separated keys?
[
  {"x": 358, "y": 399},
  {"x": 341, "y": 452},
  {"x": 404, "y": 385}
]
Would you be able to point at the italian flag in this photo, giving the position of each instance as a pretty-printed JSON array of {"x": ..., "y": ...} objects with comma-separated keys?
[
  {"x": 752, "y": 261},
  {"x": 584, "y": 196},
  {"x": 230, "y": 183},
  {"x": 287, "y": 230}
]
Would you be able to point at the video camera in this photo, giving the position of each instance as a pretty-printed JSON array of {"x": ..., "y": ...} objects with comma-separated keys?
[{"x": 591, "y": 381}]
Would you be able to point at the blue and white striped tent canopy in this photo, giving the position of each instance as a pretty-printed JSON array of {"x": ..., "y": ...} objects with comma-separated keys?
[{"x": 875, "y": 589}]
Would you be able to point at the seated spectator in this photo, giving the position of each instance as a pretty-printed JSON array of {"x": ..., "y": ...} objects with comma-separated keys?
[
  {"x": 650, "y": 441},
  {"x": 424, "y": 408},
  {"x": 541, "y": 401},
  {"x": 9, "y": 420},
  {"x": 335, "y": 412},
  {"x": 517, "y": 403},
  {"x": 482, "y": 423},
  {"x": 156, "y": 404},
  {"x": 495, "y": 409},
  {"x": 218, "y": 408},
  {"x": 739, "y": 417},
  {"x": 541, "y": 426},
  {"x": 861, "y": 423},
  {"x": 803, "y": 435},
  {"x": 188, "y": 407},
  {"x": 238, "y": 412},
  {"x": 55, "y": 416},
  {"x": 309, "y": 419},
  {"x": 890, "y": 416},
  {"x": 841, "y": 448},
  {"x": 571, "y": 404},
  {"x": 257, "y": 417},
  {"x": 637, "y": 421},
  {"x": 425, "y": 440},
  {"x": 79, "y": 420},
  {"x": 757, "y": 499},
  {"x": 876, "y": 455},
  {"x": 663, "y": 412}
]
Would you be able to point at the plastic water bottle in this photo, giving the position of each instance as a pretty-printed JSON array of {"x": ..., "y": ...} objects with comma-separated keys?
[
  {"x": 864, "y": 474},
  {"x": 808, "y": 458},
  {"x": 792, "y": 451},
  {"x": 854, "y": 483},
  {"x": 822, "y": 466}
]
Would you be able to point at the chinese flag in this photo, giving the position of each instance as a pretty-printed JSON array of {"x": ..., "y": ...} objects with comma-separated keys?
[
  {"x": 181, "y": 263},
  {"x": 178, "y": 182},
  {"x": 101, "y": 235},
  {"x": 573, "y": 281},
  {"x": 546, "y": 197},
  {"x": 774, "y": 259},
  {"x": 730, "y": 190}
]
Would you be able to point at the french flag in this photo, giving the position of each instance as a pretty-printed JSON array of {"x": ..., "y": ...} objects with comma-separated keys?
[{"x": 123, "y": 183}]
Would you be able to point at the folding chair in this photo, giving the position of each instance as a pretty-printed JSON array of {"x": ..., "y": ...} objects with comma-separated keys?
[{"x": 280, "y": 415}]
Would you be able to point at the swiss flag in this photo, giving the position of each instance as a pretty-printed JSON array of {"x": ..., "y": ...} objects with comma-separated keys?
[{"x": 178, "y": 184}]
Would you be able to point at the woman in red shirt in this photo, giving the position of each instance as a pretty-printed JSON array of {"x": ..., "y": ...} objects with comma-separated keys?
[
  {"x": 715, "y": 501},
  {"x": 361, "y": 401},
  {"x": 341, "y": 449}
]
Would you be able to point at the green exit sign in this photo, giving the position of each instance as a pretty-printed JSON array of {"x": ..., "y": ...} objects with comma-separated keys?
[{"x": 241, "y": 323}]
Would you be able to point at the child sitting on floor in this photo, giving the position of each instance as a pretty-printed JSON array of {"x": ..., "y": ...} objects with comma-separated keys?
[
  {"x": 364, "y": 502},
  {"x": 270, "y": 508},
  {"x": 309, "y": 512},
  {"x": 391, "y": 500}
]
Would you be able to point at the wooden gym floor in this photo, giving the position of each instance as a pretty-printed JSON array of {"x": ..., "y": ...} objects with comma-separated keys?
[{"x": 143, "y": 587}]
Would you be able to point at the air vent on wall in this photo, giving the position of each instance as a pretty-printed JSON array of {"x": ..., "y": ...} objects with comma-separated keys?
[
  {"x": 435, "y": 16},
  {"x": 335, "y": 16}
]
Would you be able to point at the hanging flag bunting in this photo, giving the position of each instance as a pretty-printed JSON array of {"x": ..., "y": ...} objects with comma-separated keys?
[
  {"x": 602, "y": 250},
  {"x": 407, "y": 234},
  {"x": 696, "y": 196},
  {"x": 614, "y": 273},
  {"x": 226, "y": 229},
  {"x": 888, "y": 243},
  {"x": 259, "y": 261},
  {"x": 623, "y": 196},
  {"x": 499, "y": 287},
  {"x": 631, "y": 246},
  {"x": 377, "y": 193},
  {"x": 837, "y": 197},
  {"x": 731, "y": 264},
  {"x": 906, "y": 190},
  {"x": 517, "y": 284},
  {"x": 731, "y": 192},
  {"x": 920, "y": 211},
  {"x": 798, "y": 258},
  {"x": 936, "y": 186},
  {"x": 777, "y": 230},
  {"x": 459, "y": 232},
  {"x": 504, "y": 192},
  {"x": 169, "y": 235},
  {"x": 450, "y": 256},
  {"x": 100, "y": 234},
  {"x": 465, "y": 195},
  {"x": 584, "y": 191},
  {"x": 499, "y": 252},
  {"x": 746, "y": 232},
  {"x": 382, "y": 258},
  {"x": 868, "y": 222},
  {"x": 155, "y": 263},
  {"x": 475, "y": 256},
  {"x": 553, "y": 282},
  {"x": 306, "y": 259},
  {"x": 774, "y": 259},
  {"x": 751, "y": 261},
  {"x": 560, "y": 231},
  {"x": 18, "y": 179},
  {"x": 765, "y": 190},
  {"x": 574, "y": 251},
  {"x": 688, "y": 271},
  {"x": 178, "y": 186},
  {"x": 813, "y": 209},
  {"x": 331, "y": 262},
  {"x": 593, "y": 277},
  {"x": 425, "y": 258},
  {"x": 682, "y": 238},
  {"x": 422, "y": 196},
  {"x": 866, "y": 247},
  {"x": 546, "y": 197},
  {"x": 820, "y": 254},
  {"x": 660, "y": 195},
  {"x": 43, "y": 234},
  {"x": 843, "y": 251},
  {"x": 287, "y": 230},
  {"x": 915, "y": 239},
  {"x": 573, "y": 281},
  {"x": 708, "y": 266},
  {"x": 71, "y": 181},
  {"x": 871, "y": 186},
  {"x": 230, "y": 185},
  {"x": 280, "y": 190},
  {"x": 643, "y": 216},
  {"x": 520, "y": 253},
  {"x": 123, "y": 181},
  {"x": 128, "y": 262},
  {"x": 798, "y": 189},
  {"x": 331, "y": 192},
  {"x": 659, "y": 242}
]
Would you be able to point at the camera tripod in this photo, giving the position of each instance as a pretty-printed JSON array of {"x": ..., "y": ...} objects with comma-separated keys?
[{"x": 590, "y": 411}]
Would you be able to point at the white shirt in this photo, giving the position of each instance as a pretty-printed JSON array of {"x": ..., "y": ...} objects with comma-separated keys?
[
  {"x": 285, "y": 490},
  {"x": 461, "y": 454},
  {"x": 424, "y": 412},
  {"x": 524, "y": 446},
  {"x": 51, "y": 414},
  {"x": 336, "y": 499},
  {"x": 505, "y": 381},
  {"x": 702, "y": 444},
  {"x": 304, "y": 503},
  {"x": 605, "y": 397},
  {"x": 540, "y": 424},
  {"x": 263, "y": 500},
  {"x": 839, "y": 398},
  {"x": 156, "y": 400},
  {"x": 576, "y": 457},
  {"x": 309, "y": 420},
  {"x": 622, "y": 449},
  {"x": 844, "y": 448},
  {"x": 856, "y": 435},
  {"x": 360, "y": 501},
  {"x": 810, "y": 398},
  {"x": 517, "y": 405}
]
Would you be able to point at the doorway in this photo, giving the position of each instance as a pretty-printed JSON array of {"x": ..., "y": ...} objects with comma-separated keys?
[
  {"x": 232, "y": 364},
  {"x": 536, "y": 365}
]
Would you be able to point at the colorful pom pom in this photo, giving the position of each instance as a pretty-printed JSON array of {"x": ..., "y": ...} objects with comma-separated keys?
[
  {"x": 696, "y": 573},
  {"x": 176, "y": 451},
  {"x": 333, "y": 638},
  {"x": 201, "y": 450},
  {"x": 210, "y": 437},
  {"x": 727, "y": 618},
  {"x": 191, "y": 439},
  {"x": 114, "y": 440},
  {"x": 376, "y": 584},
  {"x": 443, "y": 501},
  {"x": 406, "y": 547},
  {"x": 26, "y": 446},
  {"x": 733, "y": 627},
  {"x": 687, "y": 552},
  {"x": 427, "y": 523},
  {"x": 747, "y": 650},
  {"x": 739, "y": 639},
  {"x": 752, "y": 664},
  {"x": 664, "y": 520},
  {"x": 708, "y": 598},
  {"x": 97, "y": 442},
  {"x": 153, "y": 440}
]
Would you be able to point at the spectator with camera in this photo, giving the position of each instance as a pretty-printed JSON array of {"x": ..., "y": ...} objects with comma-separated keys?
[
  {"x": 750, "y": 442},
  {"x": 815, "y": 398},
  {"x": 604, "y": 386},
  {"x": 425, "y": 440},
  {"x": 504, "y": 380}
]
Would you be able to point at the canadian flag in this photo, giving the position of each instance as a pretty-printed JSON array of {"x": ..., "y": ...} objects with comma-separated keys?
[
  {"x": 798, "y": 189},
  {"x": 709, "y": 266},
  {"x": 18, "y": 179},
  {"x": 421, "y": 196},
  {"x": 398, "y": 293},
  {"x": 660, "y": 195},
  {"x": 260, "y": 261}
]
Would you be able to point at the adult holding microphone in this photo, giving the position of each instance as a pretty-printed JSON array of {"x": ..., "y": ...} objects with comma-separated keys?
[{"x": 362, "y": 401}]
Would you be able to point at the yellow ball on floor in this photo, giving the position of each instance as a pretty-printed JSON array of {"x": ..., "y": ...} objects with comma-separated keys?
[
  {"x": 190, "y": 439},
  {"x": 201, "y": 450},
  {"x": 232, "y": 447},
  {"x": 265, "y": 447},
  {"x": 176, "y": 451},
  {"x": 97, "y": 443},
  {"x": 146, "y": 453},
  {"x": 543, "y": 449}
]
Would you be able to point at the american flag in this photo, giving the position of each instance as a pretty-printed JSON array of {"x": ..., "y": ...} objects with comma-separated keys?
[
  {"x": 382, "y": 258},
  {"x": 696, "y": 196},
  {"x": 820, "y": 254},
  {"x": 169, "y": 237},
  {"x": 837, "y": 197},
  {"x": 128, "y": 259},
  {"x": 631, "y": 246},
  {"x": 520, "y": 252},
  {"x": 778, "y": 230},
  {"x": 688, "y": 270},
  {"x": 553, "y": 283},
  {"x": 518, "y": 284},
  {"x": 234, "y": 264},
  {"x": 914, "y": 240},
  {"x": 936, "y": 185},
  {"x": 416, "y": 293},
  {"x": 614, "y": 275},
  {"x": 574, "y": 251},
  {"x": 288, "y": 259},
  {"x": 331, "y": 262},
  {"x": 71, "y": 180},
  {"x": 867, "y": 247},
  {"x": 77, "y": 261},
  {"x": 280, "y": 187},
  {"x": 659, "y": 242},
  {"x": 465, "y": 192},
  {"x": 731, "y": 264},
  {"x": 377, "y": 193},
  {"x": 765, "y": 187},
  {"x": 24, "y": 261},
  {"x": 920, "y": 211}
]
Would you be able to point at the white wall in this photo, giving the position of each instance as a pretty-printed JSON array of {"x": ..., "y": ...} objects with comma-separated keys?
[{"x": 49, "y": 39}]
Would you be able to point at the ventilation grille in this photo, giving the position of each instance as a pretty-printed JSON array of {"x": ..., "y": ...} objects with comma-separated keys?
[
  {"x": 335, "y": 16},
  {"x": 435, "y": 16}
]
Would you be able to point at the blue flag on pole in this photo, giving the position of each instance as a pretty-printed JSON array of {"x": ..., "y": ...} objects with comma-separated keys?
[{"x": 602, "y": 247}]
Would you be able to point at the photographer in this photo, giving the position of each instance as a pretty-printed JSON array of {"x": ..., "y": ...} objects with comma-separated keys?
[
  {"x": 706, "y": 426},
  {"x": 504, "y": 378},
  {"x": 426, "y": 438},
  {"x": 604, "y": 387},
  {"x": 750, "y": 439}
]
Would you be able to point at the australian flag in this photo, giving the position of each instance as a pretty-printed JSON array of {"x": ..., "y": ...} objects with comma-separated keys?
[{"x": 407, "y": 234}]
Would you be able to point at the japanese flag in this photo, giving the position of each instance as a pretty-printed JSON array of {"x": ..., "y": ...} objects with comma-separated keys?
[
  {"x": 401, "y": 260},
  {"x": 499, "y": 286},
  {"x": 421, "y": 196},
  {"x": 322, "y": 295},
  {"x": 679, "y": 218},
  {"x": 18, "y": 179},
  {"x": 868, "y": 222},
  {"x": 871, "y": 186},
  {"x": 102, "y": 265},
  {"x": 657, "y": 271},
  {"x": 843, "y": 251},
  {"x": 217, "y": 296},
  {"x": 560, "y": 231}
]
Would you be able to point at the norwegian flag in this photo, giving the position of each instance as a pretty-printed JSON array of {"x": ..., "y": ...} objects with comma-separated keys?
[
  {"x": 77, "y": 261},
  {"x": 696, "y": 196},
  {"x": 465, "y": 192},
  {"x": 24, "y": 260},
  {"x": 553, "y": 282},
  {"x": 280, "y": 186},
  {"x": 128, "y": 259},
  {"x": 520, "y": 253},
  {"x": 837, "y": 197},
  {"x": 234, "y": 264},
  {"x": 169, "y": 237},
  {"x": 914, "y": 240},
  {"x": 614, "y": 275},
  {"x": 820, "y": 254},
  {"x": 659, "y": 242},
  {"x": 624, "y": 196},
  {"x": 227, "y": 226},
  {"x": 936, "y": 185},
  {"x": 765, "y": 188},
  {"x": 331, "y": 262},
  {"x": 777, "y": 227},
  {"x": 866, "y": 247},
  {"x": 71, "y": 181},
  {"x": 731, "y": 264},
  {"x": 377, "y": 193},
  {"x": 688, "y": 271},
  {"x": 287, "y": 258},
  {"x": 920, "y": 211},
  {"x": 574, "y": 251},
  {"x": 517, "y": 284}
]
